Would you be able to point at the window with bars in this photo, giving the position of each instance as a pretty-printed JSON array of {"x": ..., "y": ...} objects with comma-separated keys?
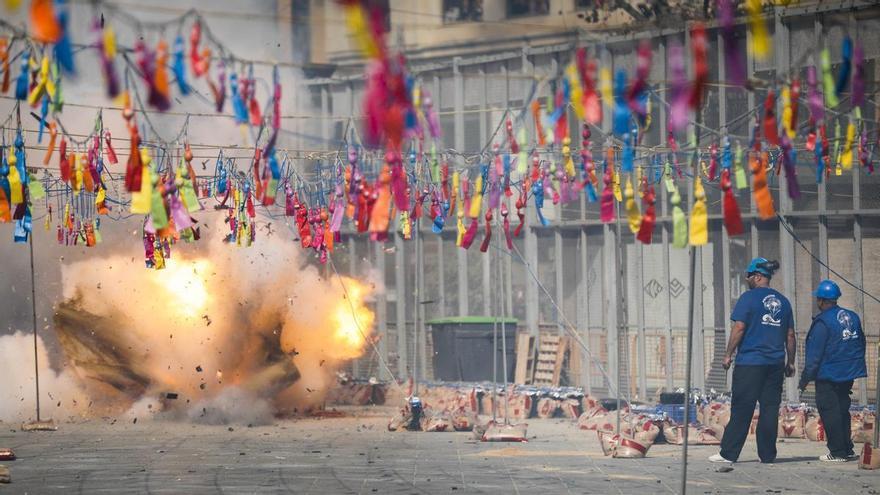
[
  {"x": 520, "y": 8},
  {"x": 462, "y": 11}
]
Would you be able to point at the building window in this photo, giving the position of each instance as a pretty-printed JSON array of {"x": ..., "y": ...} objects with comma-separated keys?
[
  {"x": 462, "y": 11},
  {"x": 517, "y": 8}
]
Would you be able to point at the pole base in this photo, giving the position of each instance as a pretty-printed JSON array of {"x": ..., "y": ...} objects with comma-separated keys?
[{"x": 44, "y": 425}]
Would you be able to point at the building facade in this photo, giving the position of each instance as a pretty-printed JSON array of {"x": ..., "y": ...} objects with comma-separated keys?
[{"x": 626, "y": 301}]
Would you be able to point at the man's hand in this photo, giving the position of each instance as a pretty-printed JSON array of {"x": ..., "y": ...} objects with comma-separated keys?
[
  {"x": 789, "y": 370},
  {"x": 725, "y": 363}
]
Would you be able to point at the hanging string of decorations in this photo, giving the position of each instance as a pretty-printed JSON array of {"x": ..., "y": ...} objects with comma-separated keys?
[{"x": 394, "y": 171}]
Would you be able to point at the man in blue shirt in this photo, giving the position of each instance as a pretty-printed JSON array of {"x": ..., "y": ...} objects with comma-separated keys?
[
  {"x": 762, "y": 336},
  {"x": 835, "y": 356}
]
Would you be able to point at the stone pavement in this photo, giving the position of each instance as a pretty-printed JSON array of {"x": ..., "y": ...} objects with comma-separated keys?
[{"x": 357, "y": 455}]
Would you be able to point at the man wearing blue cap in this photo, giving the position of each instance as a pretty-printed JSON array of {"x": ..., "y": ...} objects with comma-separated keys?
[
  {"x": 762, "y": 336},
  {"x": 835, "y": 356}
]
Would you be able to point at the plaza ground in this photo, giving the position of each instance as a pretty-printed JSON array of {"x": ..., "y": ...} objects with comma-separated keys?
[{"x": 355, "y": 454}]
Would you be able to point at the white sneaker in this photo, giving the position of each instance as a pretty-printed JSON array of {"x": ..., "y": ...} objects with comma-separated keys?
[
  {"x": 831, "y": 458},
  {"x": 718, "y": 458}
]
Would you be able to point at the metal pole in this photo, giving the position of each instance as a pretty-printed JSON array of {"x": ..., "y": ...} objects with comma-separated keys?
[
  {"x": 877, "y": 397},
  {"x": 415, "y": 368},
  {"x": 687, "y": 376},
  {"x": 503, "y": 341},
  {"x": 34, "y": 314},
  {"x": 494, "y": 368},
  {"x": 621, "y": 295},
  {"x": 692, "y": 294}
]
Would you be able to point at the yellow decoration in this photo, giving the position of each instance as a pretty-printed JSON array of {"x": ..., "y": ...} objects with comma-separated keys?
[
  {"x": 356, "y": 18},
  {"x": 846, "y": 159},
  {"x": 141, "y": 201},
  {"x": 109, "y": 42},
  {"x": 632, "y": 209},
  {"x": 615, "y": 183},
  {"x": 461, "y": 229},
  {"x": 786, "y": 112},
  {"x": 760, "y": 39},
  {"x": 477, "y": 198},
  {"x": 699, "y": 231},
  {"x": 566, "y": 154},
  {"x": 15, "y": 193},
  {"x": 577, "y": 91},
  {"x": 605, "y": 87}
]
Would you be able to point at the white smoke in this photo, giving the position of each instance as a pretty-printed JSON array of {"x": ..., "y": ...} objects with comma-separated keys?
[{"x": 60, "y": 395}]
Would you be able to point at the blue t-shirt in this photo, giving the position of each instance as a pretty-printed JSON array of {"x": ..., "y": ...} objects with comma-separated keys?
[{"x": 767, "y": 315}]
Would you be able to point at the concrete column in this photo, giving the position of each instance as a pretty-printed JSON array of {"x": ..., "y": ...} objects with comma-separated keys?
[
  {"x": 530, "y": 240},
  {"x": 698, "y": 370},
  {"x": 857, "y": 237},
  {"x": 352, "y": 271},
  {"x": 611, "y": 271},
  {"x": 663, "y": 199},
  {"x": 786, "y": 243},
  {"x": 584, "y": 305},
  {"x": 461, "y": 254},
  {"x": 558, "y": 268},
  {"x": 750, "y": 97},
  {"x": 400, "y": 297},
  {"x": 325, "y": 111},
  {"x": 610, "y": 302},
  {"x": 640, "y": 311},
  {"x": 381, "y": 309},
  {"x": 441, "y": 277},
  {"x": 725, "y": 239}
]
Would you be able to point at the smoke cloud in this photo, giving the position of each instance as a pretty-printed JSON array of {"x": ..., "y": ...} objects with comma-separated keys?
[
  {"x": 223, "y": 334},
  {"x": 59, "y": 392}
]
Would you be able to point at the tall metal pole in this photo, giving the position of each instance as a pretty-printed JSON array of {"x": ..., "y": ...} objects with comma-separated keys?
[
  {"x": 687, "y": 376},
  {"x": 34, "y": 315},
  {"x": 416, "y": 306},
  {"x": 877, "y": 397},
  {"x": 692, "y": 294},
  {"x": 503, "y": 340}
]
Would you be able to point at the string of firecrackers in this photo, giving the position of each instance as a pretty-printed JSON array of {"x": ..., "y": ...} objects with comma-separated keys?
[
  {"x": 48, "y": 54},
  {"x": 402, "y": 110}
]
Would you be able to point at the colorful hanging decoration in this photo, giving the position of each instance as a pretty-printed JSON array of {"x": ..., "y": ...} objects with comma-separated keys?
[
  {"x": 699, "y": 229},
  {"x": 761, "y": 43},
  {"x": 699, "y": 49},
  {"x": 646, "y": 226},
  {"x": 760, "y": 189},
  {"x": 633, "y": 216},
  {"x": 679, "y": 96},
  {"x": 733, "y": 54}
]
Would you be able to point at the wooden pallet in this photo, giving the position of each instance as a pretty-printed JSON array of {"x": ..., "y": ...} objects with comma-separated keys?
[
  {"x": 540, "y": 363},
  {"x": 525, "y": 358}
]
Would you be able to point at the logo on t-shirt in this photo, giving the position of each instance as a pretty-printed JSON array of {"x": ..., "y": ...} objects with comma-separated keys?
[
  {"x": 846, "y": 321},
  {"x": 774, "y": 307}
]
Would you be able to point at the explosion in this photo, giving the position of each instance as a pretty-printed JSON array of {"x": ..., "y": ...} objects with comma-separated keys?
[
  {"x": 183, "y": 281},
  {"x": 213, "y": 335},
  {"x": 351, "y": 318}
]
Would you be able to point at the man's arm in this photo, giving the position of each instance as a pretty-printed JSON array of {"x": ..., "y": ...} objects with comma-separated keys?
[
  {"x": 814, "y": 350},
  {"x": 738, "y": 329},
  {"x": 790, "y": 351}
]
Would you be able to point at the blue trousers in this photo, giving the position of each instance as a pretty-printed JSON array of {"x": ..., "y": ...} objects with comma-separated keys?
[{"x": 754, "y": 384}]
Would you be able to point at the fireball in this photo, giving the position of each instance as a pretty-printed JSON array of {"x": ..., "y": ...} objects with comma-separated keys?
[
  {"x": 184, "y": 282},
  {"x": 352, "y": 320}
]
